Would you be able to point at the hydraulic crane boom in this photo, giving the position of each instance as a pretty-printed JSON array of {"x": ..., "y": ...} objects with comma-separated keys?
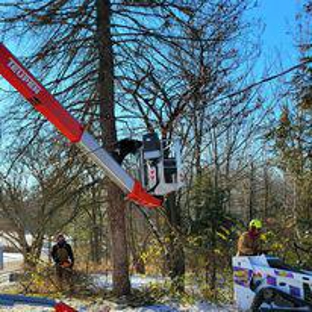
[{"x": 27, "y": 85}]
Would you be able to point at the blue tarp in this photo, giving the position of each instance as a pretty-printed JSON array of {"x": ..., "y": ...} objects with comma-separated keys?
[{"x": 10, "y": 300}]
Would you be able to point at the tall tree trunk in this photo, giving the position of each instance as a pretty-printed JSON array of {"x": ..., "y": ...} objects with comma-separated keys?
[
  {"x": 216, "y": 206},
  {"x": 95, "y": 244},
  {"x": 95, "y": 235},
  {"x": 176, "y": 251},
  {"x": 251, "y": 191},
  {"x": 116, "y": 217},
  {"x": 266, "y": 192},
  {"x": 137, "y": 260},
  {"x": 116, "y": 205}
]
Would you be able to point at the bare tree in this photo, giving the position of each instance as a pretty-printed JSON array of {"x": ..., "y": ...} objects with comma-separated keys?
[{"x": 39, "y": 198}]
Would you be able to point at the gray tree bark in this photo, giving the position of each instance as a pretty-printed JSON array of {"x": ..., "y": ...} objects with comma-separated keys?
[{"x": 116, "y": 205}]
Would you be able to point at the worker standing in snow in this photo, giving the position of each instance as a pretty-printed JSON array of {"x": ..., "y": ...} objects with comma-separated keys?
[
  {"x": 249, "y": 243},
  {"x": 63, "y": 258}
]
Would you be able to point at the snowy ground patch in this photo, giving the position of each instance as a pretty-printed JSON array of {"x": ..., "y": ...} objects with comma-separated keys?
[{"x": 137, "y": 282}]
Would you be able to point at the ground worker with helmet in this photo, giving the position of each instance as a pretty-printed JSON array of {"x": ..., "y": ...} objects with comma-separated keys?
[{"x": 249, "y": 243}]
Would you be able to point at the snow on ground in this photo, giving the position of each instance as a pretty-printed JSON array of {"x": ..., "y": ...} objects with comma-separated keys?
[
  {"x": 12, "y": 257},
  {"x": 109, "y": 307},
  {"x": 170, "y": 307},
  {"x": 137, "y": 281},
  {"x": 105, "y": 281}
]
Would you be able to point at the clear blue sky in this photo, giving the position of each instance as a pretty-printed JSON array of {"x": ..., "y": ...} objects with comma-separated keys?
[{"x": 279, "y": 18}]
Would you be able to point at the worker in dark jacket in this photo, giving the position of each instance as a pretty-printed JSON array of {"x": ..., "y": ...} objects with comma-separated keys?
[
  {"x": 63, "y": 258},
  {"x": 249, "y": 243}
]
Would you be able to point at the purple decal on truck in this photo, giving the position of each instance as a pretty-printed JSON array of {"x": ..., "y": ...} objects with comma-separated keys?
[
  {"x": 295, "y": 291},
  {"x": 242, "y": 276},
  {"x": 271, "y": 280}
]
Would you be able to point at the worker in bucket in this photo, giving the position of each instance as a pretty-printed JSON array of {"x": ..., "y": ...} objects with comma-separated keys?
[
  {"x": 249, "y": 243},
  {"x": 63, "y": 258}
]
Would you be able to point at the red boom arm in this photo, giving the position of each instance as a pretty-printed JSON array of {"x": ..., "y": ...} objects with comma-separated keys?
[
  {"x": 23, "y": 81},
  {"x": 27, "y": 85}
]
